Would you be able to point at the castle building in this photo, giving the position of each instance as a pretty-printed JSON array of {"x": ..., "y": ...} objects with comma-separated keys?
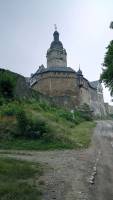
[{"x": 64, "y": 85}]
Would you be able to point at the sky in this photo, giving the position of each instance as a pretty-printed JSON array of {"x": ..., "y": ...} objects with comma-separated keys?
[{"x": 27, "y": 26}]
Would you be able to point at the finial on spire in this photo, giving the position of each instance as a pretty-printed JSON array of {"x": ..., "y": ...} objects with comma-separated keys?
[
  {"x": 56, "y": 34},
  {"x": 55, "y": 26},
  {"x": 79, "y": 72}
]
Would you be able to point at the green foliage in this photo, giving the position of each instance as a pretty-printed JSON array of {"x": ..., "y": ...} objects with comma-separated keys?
[
  {"x": 72, "y": 138},
  {"x": 9, "y": 109},
  {"x": 66, "y": 115},
  {"x": 22, "y": 123},
  {"x": 29, "y": 127},
  {"x": 49, "y": 126},
  {"x": 2, "y": 100},
  {"x": 7, "y": 129},
  {"x": 7, "y": 84},
  {"x": 107, "y": 74},
  {"x": 44, "y": 105},
  {"x": 83, "y": 113},
  {"x": 39, "y": 127},
  {"x": 14, "y": 180}
]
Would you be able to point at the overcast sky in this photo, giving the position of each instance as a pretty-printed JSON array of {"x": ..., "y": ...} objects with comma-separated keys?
[{"x": 27, "y": 26}]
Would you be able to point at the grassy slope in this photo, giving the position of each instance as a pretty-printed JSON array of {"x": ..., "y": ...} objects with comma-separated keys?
[
  {"x": 17, "y": 180},
  {"x": 65, "y": 134},
  {"x": 79, "y": 137}
]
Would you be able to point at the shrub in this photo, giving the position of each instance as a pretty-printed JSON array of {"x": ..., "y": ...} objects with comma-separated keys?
[
  {"x": 44, "y": 105},
  {"x": 2, "y": 100},
  {"x": 9, "y": 109},
  {"x": 7, "y": 84},
  {"x": 29, "y": 128},
  {"x": 7, "y": 129},
  {"x": 22, "y": 123},
  {"x": 66, "y": 115},
  {"x": 39, "y": 128}
]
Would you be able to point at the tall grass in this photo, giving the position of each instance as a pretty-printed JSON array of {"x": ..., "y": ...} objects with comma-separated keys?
[
  {"x": 50, "y": 126},
  {"x": 17, "y": 180}
]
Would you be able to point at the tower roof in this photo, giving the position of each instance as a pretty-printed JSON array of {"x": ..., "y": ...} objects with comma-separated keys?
[
  {"x": 56, "y": 42},
  {"x": 79, "y": 72},
  {"x": 56, "y": 69}
]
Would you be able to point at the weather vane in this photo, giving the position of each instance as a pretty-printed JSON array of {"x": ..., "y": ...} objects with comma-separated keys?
[{"x": 55, "y": 26}]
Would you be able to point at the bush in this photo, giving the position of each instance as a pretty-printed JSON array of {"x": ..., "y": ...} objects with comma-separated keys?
[
  {"x": 7, "y": 129},
  {"x": 66, "y": 115},
  {"x": 7, "y": 84},
  {"x": 9, "y": 109},
  {"x": 29, "y": 128},
  {"x": 2, "y": 100},
  {"x": 44, "y": 105},
  {"x": 39, "y": 128},
  {"x": 22, "y": 123}
]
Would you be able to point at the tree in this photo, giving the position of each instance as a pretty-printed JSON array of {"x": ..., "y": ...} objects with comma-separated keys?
[
  {"x": 7, "y": 84},
  {"x": 107, "y": 73},
  {"x": 111, "y": 25}
]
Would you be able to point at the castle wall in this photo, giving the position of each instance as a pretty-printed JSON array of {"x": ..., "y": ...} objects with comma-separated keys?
[
  {"x": 68, "y": 102},
  {"x": 109, "y": 109},
  {"x": 84, "y": 96},
  {"x": 92, "y": 96},
  {"x": 97, "y": 103},
  {"x": 58, "y": 84}
]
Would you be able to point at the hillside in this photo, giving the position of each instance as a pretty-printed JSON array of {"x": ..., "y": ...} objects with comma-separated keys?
[{"x": 30, "y": 122}]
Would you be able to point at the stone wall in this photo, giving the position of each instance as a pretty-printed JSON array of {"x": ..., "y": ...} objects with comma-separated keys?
[
  {"x": 58, "y": 84},
  {"x": 109, "y": 109},
  {"x": 97, "y": 103},
  {"x": 84, "y": 96}
]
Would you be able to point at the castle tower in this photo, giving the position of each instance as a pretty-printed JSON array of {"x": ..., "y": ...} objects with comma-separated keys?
[{"x": 56, "y": 54}]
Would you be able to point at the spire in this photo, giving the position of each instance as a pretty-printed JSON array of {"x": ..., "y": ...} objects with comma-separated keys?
[
  {"x": 79, "y": 72},
  {"x": 56, "y": 34}
]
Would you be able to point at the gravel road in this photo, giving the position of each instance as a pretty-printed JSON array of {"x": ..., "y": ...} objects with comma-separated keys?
[{"x": 77, "y": 175}]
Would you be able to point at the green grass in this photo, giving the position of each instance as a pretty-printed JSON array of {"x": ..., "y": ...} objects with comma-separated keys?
[
  {"x": 74, "y": 137},
  {"x": 17, "y": 180},
  {"x": 59, "y": 129}
]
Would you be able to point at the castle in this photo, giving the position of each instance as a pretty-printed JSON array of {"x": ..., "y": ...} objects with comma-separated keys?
[{"x": 65, "y": 86}]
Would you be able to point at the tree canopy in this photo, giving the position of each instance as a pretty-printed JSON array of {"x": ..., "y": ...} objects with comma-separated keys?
[
  {"x": 107, "y": 73},
  {"x": 7, "y": 84}
]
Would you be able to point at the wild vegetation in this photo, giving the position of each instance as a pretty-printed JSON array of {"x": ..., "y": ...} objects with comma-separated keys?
[
  {"x": 19, "y": 180},
  {"x": 31, "y": 123},
  {"x": 107, "y": 74},
  {"x": 41, "y": 126}
]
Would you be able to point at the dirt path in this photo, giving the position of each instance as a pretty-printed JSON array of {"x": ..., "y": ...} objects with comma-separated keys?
[{"x": 78, "y": 175}]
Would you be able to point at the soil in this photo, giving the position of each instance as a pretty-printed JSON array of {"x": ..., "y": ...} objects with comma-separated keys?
[{"x": 77, "y": 175}]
